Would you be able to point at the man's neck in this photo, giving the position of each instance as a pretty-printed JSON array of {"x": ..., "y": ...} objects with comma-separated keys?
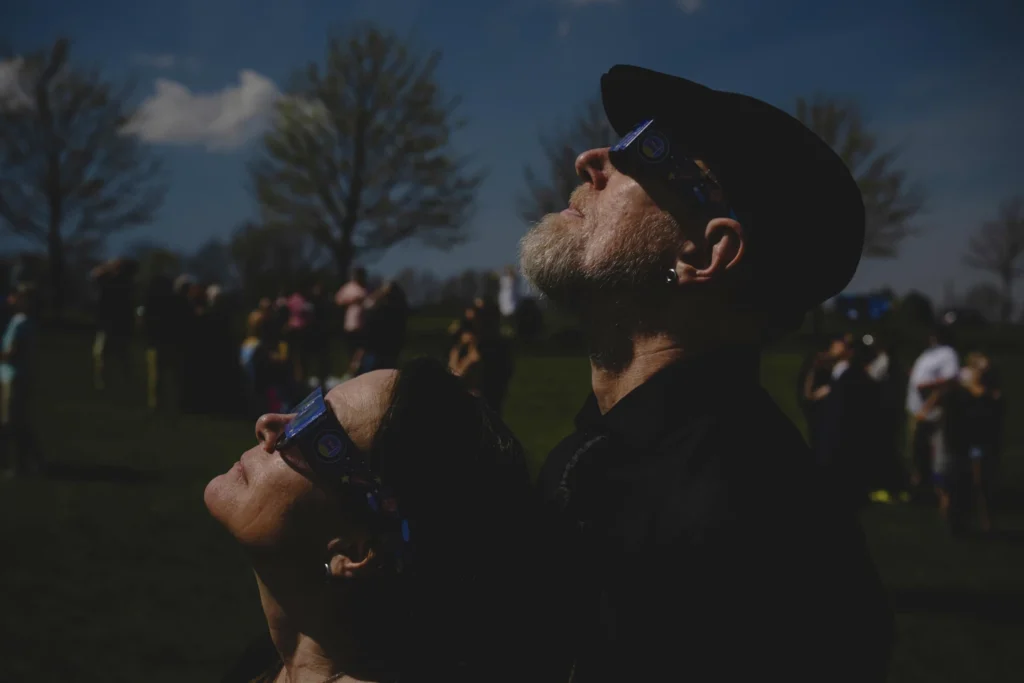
[
  {"x": 312, "y": 646},
  {"x": 650, "y": 356}
]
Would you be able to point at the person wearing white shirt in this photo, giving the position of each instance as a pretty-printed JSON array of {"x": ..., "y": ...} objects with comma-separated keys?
[
  {"x": 933, "y": 372},
  {"x": 508, "y": 292}
]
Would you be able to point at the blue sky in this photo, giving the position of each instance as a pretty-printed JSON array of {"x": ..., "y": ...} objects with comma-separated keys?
[{"x": 941, "y": 80}]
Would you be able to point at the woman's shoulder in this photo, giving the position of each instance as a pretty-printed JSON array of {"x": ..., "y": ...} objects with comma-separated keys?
[{"x": 258, "y": 663}]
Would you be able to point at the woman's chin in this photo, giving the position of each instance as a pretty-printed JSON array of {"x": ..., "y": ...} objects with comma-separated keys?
[{"x": 216, "y": 496}]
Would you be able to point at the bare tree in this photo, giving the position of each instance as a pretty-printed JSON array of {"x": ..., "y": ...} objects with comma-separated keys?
[
  {"x": 154, "y": 259},
  {"x": 986, "y": 299},
  {"x": 69, "y": 174},
  {"x": 360, "y": 152},
  {"x": 890, "y": 204},
  {"x": 267, "y": 258},
  {"x": 550, "y": 193},
  {"x": 212, "y": 262},
  {"x": 997, "y": 248}
]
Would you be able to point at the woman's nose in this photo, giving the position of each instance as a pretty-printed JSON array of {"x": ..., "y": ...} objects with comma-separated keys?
[
  {"x": 269, "y": 428},
  {"x": 593, "y": 167}
]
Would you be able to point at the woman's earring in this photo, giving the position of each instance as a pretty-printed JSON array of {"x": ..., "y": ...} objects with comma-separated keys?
[
  {"x": 327, "y": 571},
  {"x": 672, "y": 277}
]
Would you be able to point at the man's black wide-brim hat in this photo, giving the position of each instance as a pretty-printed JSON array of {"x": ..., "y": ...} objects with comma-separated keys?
[{"x": 801, "y": 208}]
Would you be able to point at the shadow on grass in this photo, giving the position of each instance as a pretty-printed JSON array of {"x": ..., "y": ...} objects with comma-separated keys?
[
  {"x": 1001, "y": 608},
  {"x": 114, "y": 474}
]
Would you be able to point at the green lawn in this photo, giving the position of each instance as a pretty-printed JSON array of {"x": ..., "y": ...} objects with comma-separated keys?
[{"x": 112, "y": 570}]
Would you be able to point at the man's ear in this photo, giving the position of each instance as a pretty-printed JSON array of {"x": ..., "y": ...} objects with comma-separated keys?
[
  {"x": 348, "y": 560},
  {"x": 722, "y": 250}
]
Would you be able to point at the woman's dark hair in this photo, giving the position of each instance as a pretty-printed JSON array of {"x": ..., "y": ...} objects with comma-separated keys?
[{"x": 459, "y": 607}]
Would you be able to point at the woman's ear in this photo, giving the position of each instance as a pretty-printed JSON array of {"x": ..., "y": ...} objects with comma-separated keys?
[{"x": 348, "y": 560}]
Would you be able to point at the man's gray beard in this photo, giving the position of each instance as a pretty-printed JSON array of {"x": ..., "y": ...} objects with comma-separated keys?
[{"x": 634, "y": 272}]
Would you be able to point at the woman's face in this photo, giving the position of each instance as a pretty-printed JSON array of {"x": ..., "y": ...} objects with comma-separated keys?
[{"x": 268, "y": 504}]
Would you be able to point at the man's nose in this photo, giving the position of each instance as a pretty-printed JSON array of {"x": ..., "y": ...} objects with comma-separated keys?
[
  {"x": 594, "y": 167},
  {"x": 269, "y": 429}
]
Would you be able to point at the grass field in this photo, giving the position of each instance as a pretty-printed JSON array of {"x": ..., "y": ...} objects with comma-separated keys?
[{"x": 111, "y": 570}]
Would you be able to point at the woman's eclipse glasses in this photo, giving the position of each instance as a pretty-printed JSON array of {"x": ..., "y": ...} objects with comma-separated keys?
[{"x": 325, "y": 446}]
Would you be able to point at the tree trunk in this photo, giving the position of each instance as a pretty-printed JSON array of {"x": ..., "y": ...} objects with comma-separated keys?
[
  {"x": 54, "y": 243},
  {"x": 1007, "y": 303},
  {"x": 343, "y": 261},
  {"x": 55, "y": 253}
]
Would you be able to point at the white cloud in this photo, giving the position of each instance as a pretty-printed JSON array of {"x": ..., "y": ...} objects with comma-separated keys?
[
  {"x": 11, "y": 91},
  {"x": 220, "y": 120},
  {"x": 689, "y": 6}
]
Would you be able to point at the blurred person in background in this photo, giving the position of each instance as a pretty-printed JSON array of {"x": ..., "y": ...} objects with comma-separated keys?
[
  {"x": 815, "y": 383},
  {"x": 891, "y": 481},
  {"x": 196, "y": 361},
  {"x": 496, "y": 357},
  {"x": 17, "y": 379},
  {"x": 223, "y": 381},
  {"x": 160, "y": 328},
  {"x": 350, "y": 298},
  {"x": 318, "y": 338},
  {"x": 386, "y": 319},
  {"x": 271, "y": 332},
  {"x": 464, "y": 323},
  {"x": 933, "y": 373},
  {"x": 508, "y": 296},
  {"x": 464, "y": 358},
  {"x": 261, "y": 367},
  {"x": 975, "y": 426},
  {"x": 115, "y": 318},
  {"x": 850, "y": 418},
  {"x": 296, "y": 332},
  {"x": 687, "y": 512},
  {"x": 280, "y": 314},
  {"x": 387, "y": 537},
  {"x": 482, "y": 358}
]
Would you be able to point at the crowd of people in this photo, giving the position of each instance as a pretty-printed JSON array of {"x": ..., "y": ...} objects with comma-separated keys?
[
  {"x": 864, "y": 413},
  {"x": 287, "y": 342}
]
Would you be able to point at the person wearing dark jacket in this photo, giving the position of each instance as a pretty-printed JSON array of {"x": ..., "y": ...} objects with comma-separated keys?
[
  {"x": 115, "y": 319},
  {"x": 384, "y": 323},
  {"x": 693, "y": 536},
  {"x": 849, "y": 447},
  {"x": 161, "y": 329}
]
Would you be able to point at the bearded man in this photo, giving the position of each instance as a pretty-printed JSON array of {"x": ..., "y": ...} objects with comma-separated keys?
[{"x": 693, "y": 537}]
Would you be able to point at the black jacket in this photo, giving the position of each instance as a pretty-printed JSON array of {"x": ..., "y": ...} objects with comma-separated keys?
[{"x": 693, "y": 539}]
